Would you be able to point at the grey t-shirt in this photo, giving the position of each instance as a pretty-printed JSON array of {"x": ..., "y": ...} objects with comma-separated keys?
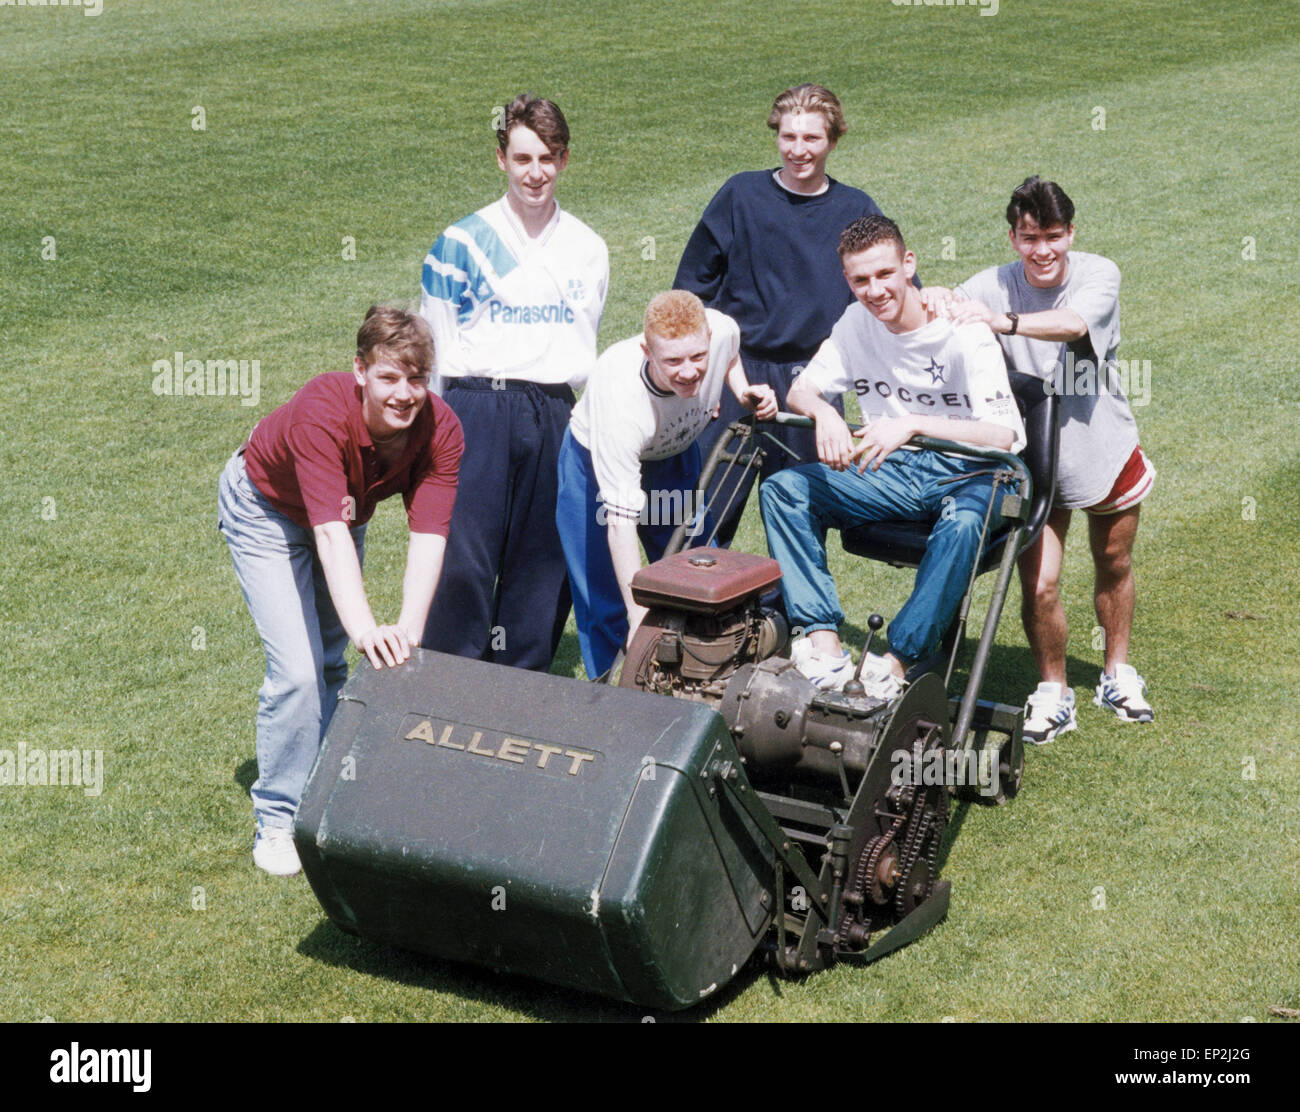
[{"x": 1098, "y": 432}]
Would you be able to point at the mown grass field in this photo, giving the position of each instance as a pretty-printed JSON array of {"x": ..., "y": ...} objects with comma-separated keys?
[{"x": 123, "y": 629}]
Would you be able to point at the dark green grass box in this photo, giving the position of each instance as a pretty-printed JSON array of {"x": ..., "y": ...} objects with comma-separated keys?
[{"x": 536, "y": 824}]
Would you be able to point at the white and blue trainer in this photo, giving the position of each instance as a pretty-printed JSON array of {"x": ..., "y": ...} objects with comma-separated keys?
[
  {"x": 1124, "y": 694},
  {"x": 1049, "y": 713}
]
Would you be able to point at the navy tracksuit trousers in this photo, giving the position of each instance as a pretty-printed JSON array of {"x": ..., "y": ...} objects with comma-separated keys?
[{"x": 504, "y": 592}]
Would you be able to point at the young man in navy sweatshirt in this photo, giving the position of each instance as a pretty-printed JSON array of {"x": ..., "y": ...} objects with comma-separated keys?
[{"x": 764, "y": 253}]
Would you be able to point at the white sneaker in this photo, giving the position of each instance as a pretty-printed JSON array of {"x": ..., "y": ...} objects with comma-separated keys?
[
  {"x": 878, "y": 678},
  {"x": 826, "y": 672},
  {"x": 800, "y": 651},
  {"x": 274, "y": 851},
  {"x": 1125, "y": 694},
  {"x": 1049, "y": 713}
]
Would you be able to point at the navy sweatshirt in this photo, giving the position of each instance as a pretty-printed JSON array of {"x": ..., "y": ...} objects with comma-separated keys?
[{"x": 766, "y": 257}]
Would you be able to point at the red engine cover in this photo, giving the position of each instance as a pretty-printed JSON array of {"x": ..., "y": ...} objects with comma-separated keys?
[{"x": 704, "y": 580}]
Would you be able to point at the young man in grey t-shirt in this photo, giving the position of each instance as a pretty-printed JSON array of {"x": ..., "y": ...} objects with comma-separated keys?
[{"x": 1056, "y": 314}]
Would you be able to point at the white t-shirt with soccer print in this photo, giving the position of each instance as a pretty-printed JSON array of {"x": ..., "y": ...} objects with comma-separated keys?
[{"x": 938, "y": 370}]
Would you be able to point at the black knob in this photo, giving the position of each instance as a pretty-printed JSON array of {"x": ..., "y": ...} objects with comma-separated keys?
[{"x": 875, "y": 622}]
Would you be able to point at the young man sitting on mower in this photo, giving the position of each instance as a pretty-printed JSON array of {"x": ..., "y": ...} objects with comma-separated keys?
[{"x": 914, "y": 376}]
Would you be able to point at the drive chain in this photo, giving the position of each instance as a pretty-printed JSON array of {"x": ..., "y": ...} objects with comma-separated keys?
[{"x": 918, "y": 829}]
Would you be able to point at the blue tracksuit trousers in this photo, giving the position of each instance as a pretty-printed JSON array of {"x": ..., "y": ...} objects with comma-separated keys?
[{"x": 598, "y": 608}]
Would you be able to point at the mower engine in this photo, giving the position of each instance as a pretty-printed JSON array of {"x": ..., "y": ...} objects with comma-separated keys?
[
  {"x": 706, "y": 619},
  {"x": 843, "y": 775}
]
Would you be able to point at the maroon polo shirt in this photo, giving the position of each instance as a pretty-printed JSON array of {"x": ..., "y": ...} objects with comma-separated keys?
[{"x": 314, "y": 460}]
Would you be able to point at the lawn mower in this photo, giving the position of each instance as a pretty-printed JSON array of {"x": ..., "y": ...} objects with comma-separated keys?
[{"x": 644, "y": 839}]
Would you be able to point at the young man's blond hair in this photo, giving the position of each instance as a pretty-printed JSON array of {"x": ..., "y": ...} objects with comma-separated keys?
[{"x": 810, "y": 98}]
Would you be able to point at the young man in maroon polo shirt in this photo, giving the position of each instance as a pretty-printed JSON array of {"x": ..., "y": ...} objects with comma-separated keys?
[{"x": 294, "y": 503}]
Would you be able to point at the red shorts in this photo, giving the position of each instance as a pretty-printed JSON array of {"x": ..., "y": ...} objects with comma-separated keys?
[{"x": 1134, "y": 484}]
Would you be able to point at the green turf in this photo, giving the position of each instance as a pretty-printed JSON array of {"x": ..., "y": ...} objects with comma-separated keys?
[{"x": 122, "y": 624}]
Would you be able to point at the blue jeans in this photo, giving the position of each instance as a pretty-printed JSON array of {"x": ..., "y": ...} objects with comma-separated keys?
[
  {"x": 284, "y": 585},
  {"x": 598, "y": 606},
  {"x": 801, "y": 503}
]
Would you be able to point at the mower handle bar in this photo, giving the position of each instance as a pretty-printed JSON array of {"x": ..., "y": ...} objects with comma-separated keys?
[{"x": 949, "y": 447}]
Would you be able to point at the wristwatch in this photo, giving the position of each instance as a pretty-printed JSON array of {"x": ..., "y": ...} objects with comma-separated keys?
[{"x": 1014, "y": 318}]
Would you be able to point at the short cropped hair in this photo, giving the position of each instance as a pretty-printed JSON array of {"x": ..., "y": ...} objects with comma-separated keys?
[
  {"x": 675, "y": 314},
  {"x": 810, "y": 98},
  {"x": 1043, "y": 201},
  {"x": 866, "y": 231},
  {"x": 540, "y": 116},
  {"x": 403, "y": 337}
]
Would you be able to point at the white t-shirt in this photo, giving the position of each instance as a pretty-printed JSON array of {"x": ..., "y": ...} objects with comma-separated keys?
[
  {"x": 623, "y": 418},
  {"x": 504, "y": 305},
  {"x": 1098, "y": 432},
  {"x": 936, "y": 370}
]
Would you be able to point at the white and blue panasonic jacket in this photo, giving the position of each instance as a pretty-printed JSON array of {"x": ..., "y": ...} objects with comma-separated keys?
[{"x": 502, "y": 305}]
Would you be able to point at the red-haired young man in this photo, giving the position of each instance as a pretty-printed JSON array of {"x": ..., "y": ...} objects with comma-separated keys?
[{"x": 630, "y": 461}]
